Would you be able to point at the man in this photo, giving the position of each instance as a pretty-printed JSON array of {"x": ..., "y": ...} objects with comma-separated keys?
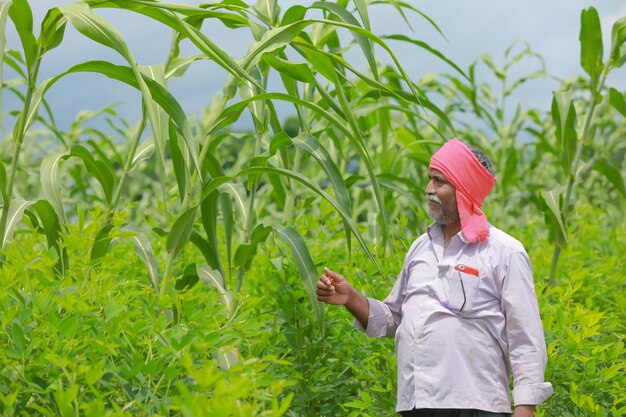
[{"x": 463, "y": 309}]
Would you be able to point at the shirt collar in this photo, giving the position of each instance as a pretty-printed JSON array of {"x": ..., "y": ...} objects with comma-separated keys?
[{"x": 435, "y": 230}]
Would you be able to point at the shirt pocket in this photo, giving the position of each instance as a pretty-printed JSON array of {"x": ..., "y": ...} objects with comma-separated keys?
[{"x": 456, "y": 287}]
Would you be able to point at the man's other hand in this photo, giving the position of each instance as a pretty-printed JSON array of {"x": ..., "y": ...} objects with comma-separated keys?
[
  {"x": 333, "y": 288},
  {"x": 524, "y": 411}
]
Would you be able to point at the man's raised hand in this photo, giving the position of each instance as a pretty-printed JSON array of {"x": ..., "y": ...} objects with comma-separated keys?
[{"x": 332, "y": 288}]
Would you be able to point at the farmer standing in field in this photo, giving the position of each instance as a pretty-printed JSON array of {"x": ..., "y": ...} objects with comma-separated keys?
[{"x": 463, "y": 309}]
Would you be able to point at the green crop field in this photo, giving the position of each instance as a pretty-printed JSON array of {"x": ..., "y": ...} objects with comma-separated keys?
[{"x": 166, "y": 266}]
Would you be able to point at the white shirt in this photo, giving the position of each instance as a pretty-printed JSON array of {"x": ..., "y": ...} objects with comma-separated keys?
[{"x": 457, "y": 344}]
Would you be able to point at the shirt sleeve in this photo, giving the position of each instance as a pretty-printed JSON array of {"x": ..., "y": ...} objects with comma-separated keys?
[
  {"x": 385, "y": 316},
  {"x": 524, "y": 331}
]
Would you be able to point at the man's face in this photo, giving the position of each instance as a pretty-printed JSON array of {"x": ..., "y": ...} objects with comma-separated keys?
[{"x": 441, "y": 199}]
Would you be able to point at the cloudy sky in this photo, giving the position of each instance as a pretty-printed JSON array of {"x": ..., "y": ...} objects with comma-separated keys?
[{"x": 472, "y": 28}]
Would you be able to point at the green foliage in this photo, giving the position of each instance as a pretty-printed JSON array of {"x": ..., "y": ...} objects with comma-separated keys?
[
  {"x": 584, "y": 320},
  {"x": 114, "y": 314},
  {"x": 95, "y": 342}
]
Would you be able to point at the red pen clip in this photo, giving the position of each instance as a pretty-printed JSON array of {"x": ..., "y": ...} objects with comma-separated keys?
[{"x": 467, "y": 269}]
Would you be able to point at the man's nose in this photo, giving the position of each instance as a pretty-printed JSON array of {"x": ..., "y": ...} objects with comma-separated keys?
[{"x": 430, "y": 188}]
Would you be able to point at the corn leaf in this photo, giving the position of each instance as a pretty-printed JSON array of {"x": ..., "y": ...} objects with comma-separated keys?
[
  {"x": 316, "y": 58},
  {"x": 428, "y": 48},
  {"x": 268, "y": 10},
  {"x": 50, "y": 177},
  {"x": 423, "y": 101},
  {"x": 300, "y": 72},
  {"x": 161, "y": 122},
  {"x": 591, "y": 45},
  {"x": 617, "y": 101},
  {"x": 293, "y": 14},
  {"x": 49, "y": 224},
  {"x": 310, "y": 144},
  {"x": 400, "y": 5},
  {"x": 227, "y": 358},
  {"x": 211, "y": 185},
  {"x": 612, "y": 173},
  {"x": 96, "y": 28},
  {"x": 102, "y": 242},
  {"x": 618, "y": 43},
  {"x": 214, "y": 279},
  {"x": 22, "y": 17},
  {"x": 214, "y": 52},
  {"x": 510, "y": 167},
  {"x": 178, "y": 66},
  {"x": 16, "y": 211},
  {"x": 181, "y": 171},
  {"x": 232, "y": 113},
  {"x": 101, "y": 170},
  {"x": 33, "y": 110},
  {"x": 564, "y": 117},
  {"x": 181, "y": 231},
  {"x": 245, "y": 252},
  {"x": 208, "y": 250},
  {"x": 214, "y": 168},
  {"x": 143, "y": 153},
  {"x": 308, "y": 273},
  {"x": 553, "y": 200},
  {"x": 361, "y": 7},
  {"x": 188, "y": 279},
  {"x": 272, "y": 40},
  {"x": 52, "y": 30},
  {"x": 143, "y": 249},
  {"x": 209, "y": 213},
  {"x": 346, "y": 16},
  {"x": 229, "y": 223},
  {"x": 236, "y": 193}
]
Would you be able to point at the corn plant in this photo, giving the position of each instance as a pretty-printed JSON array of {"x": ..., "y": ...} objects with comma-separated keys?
[
  {"x": 572, "y": 137},
  {"x": 332, "y": 113}
]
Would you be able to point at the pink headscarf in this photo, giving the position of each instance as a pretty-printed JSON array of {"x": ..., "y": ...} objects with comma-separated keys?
[{"x": 472, "y": 183}]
